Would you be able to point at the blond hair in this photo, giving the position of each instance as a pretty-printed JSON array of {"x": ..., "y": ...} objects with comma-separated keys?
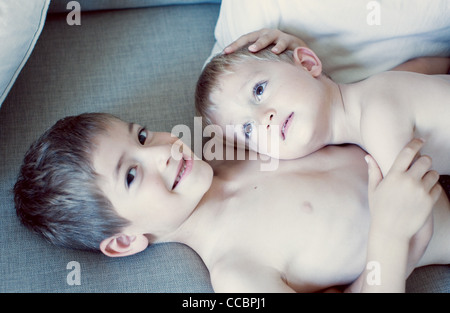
[{"x": 222, "y": 64}]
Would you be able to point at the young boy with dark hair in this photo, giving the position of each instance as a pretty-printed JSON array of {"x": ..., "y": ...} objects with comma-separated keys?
[
  {"x": 57, "y": 194},
  {"x": 304, "y": 227}
]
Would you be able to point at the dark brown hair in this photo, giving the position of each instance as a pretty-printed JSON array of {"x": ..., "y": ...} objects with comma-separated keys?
[{"x": 56, "y": 193}]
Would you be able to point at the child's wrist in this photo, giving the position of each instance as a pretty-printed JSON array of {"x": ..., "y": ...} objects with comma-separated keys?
[
  {"x": 389, "y": 235},
  {"x": 389, "y": 249}
]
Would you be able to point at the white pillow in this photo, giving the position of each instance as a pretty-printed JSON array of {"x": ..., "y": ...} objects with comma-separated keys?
[
  {"x": 345, "y": 34},
  {"x": 21, "y": 23}
]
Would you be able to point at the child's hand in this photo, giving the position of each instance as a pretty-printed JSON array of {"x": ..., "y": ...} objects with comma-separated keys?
[
  {"x": 402, "y": 202},
  {"x": 263, "y": 38}
]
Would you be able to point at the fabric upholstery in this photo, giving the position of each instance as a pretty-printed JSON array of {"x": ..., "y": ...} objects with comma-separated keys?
[
  {"x": 21, "y": 23},
  {"x": 89, "y": 5}
]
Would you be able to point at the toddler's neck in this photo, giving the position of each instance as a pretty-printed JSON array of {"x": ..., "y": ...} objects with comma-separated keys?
[{"x": 345, "y": 113}]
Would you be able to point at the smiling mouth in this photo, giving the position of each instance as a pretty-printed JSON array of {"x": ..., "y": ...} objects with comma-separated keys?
[
  {"x": 286, "y": 125},
  {"x": 181, "y": 171}
]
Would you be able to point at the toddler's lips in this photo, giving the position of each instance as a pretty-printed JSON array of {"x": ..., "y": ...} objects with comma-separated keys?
[
  {"x": 184, "y": 169},
  {"x": 286, "y": 125}
]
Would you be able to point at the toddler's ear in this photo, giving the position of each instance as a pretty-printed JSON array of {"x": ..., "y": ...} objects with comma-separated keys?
[
  {"x": 123, "y": 245},
  {"x": 308, "y": 60}
]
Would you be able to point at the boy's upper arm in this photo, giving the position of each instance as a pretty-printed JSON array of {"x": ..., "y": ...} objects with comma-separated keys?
[
  {"x": 426, "y": 65},
  {"x": 385, "y": 131},
  {"x": 232, "y": 275}
]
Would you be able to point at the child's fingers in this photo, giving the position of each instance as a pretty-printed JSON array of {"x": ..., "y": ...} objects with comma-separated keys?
[
  {"x": 263, "y": 41},
  {"x": 229, "y": 49},
  {"x": 435, "y": 192},
  {"x": 420, "y": 166},
  {"x": 430, "y": 179},
  {"x": 242, "y": 41},
  {"x": 260, "y": 39},
  {"x": 247, "y": 39},
  {"x": 407, "y": 155},
  {"x": 281, "y": 46}
]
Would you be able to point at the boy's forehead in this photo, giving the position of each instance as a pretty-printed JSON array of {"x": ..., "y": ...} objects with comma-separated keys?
[
  {"x": 235, "y": 81},
  {"x": 118, "y": 124},
  {"x": 117, "y": 127},
  {"x": 108, "y": 144},
  {"x": 107, "y": 156},
  {"x": 248, "y": 68}
]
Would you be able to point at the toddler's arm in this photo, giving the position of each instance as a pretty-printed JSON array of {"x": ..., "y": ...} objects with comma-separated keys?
[
  {"x": 426, "y": 65},
  {"x": 264, "y": 38},
  {"x": 400, "y": 206}
]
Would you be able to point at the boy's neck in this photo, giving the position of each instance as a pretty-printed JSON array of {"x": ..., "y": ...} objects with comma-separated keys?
[
  {"x": 200, "y": 222},
  {"x": 345, "y": 113}
]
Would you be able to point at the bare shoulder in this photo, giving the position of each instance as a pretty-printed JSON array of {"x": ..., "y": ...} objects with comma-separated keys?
[
  {"x": 394, "y": 97},
  {"x": 444, "y": 77},
  {"x": 386, "y": 78},
  {"x": 393, "y": 80},
  {"x": 393, "y": 94},
  {"x": 387, "y": 115}
]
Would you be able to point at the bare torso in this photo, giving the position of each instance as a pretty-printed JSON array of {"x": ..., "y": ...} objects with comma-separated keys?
[
  {"x": 308, "y": 220},
  {"x": 304, "y": 226}
]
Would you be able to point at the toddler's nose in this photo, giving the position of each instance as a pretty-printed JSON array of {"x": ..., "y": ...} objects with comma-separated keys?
[{"x": 267, "y": 118}]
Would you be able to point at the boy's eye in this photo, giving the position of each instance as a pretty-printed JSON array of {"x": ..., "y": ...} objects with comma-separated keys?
[
  {"x": 142, "y": 136},
  {"x": 130, "y": 176},
  {"x": 248, "y": 129},
  {"x": 258, "y": 90}
]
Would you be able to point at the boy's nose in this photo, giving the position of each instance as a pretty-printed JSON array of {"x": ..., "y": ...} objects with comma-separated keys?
[
  {"x": 156, "y": 151},
  {"x": 161, "y": 139},
  {"x": 162, "y": 155},
  {"x": 156, "y": 156},
  {"x": 268, "y": 117}
]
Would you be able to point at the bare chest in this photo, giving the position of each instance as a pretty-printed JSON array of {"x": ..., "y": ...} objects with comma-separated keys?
[{"x": 312, "y": 228}]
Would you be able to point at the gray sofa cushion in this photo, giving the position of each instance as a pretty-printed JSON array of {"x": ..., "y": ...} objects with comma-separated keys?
[
  {"x": 435, "y": 278},
  {"x": 21, "y": 24},
  {"x": 89, "y": 5}
]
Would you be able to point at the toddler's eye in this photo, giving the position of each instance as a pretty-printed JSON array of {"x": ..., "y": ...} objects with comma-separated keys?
[
  {"x": 248, "y": 129},
  {"x": 258, "y": 90},
  {"x": 142, "y": 136},
  {"x": 130, "y": 176}
]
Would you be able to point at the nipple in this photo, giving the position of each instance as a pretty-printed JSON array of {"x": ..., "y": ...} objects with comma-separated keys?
[{"x": 307, "y": 207}]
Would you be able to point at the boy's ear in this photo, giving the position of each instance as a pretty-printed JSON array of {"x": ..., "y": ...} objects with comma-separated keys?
[
  {"x": 123, "y": 245},
  {"x": 308, "y": 60}
]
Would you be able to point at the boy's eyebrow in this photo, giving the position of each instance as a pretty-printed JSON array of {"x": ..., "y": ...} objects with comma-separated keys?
[
  {"x": 118, "y": 167},
  {"x": 120, "y": 162},
  {"x": 130, "y": 128},
  {"x": 247, "y": 81},
  {"x": 250, "y": 79}
]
